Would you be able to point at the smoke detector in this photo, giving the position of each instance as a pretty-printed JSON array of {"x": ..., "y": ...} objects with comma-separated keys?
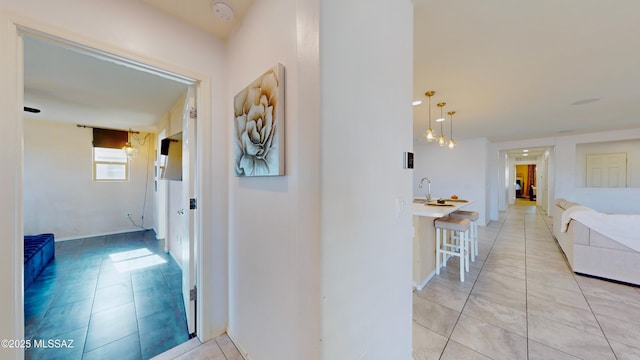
[{"x": 222, "y": 10}]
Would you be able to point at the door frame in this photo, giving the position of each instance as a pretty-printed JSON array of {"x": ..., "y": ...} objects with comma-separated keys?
[
  {"x": 13, "y": 61},
  {"x": 504, "y": 175}
]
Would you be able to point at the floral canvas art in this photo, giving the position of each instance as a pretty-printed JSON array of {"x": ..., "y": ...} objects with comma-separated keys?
[{"x": 259, "y": 126}]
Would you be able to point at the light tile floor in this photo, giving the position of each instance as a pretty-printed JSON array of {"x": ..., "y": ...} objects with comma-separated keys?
[
  {"x": 520, "y": 300},
  {"x": 220, "y": 348}
]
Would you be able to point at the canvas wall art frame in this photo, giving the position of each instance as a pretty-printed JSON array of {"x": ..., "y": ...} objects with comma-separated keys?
[{"x": 259, "y": 126}]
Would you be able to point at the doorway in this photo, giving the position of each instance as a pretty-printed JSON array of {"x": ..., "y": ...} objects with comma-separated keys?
[
  {"x": 193, "y": 232},
  {"x": 525, "y": 185},
  {"x": 526, "y": 177}
]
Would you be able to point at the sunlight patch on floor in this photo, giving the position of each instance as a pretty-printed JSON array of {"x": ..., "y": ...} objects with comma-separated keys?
[{"x": 135, "y": 259}]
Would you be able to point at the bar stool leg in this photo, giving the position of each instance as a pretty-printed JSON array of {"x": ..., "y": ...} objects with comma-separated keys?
[
  {"x": 475, "y": 236},
  {"x": 463, "y": 258},
  {"x": 467, "y": 241},
  {"x": 472, "y": 243},
  {"x": 438, "y": 253}
]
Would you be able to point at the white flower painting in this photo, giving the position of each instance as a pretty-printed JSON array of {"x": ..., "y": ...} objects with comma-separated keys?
[{"x": 259, "y": 126}]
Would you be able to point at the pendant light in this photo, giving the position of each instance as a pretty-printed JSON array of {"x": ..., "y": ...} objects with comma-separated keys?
[
  {"x": 442, "y": 141},
  {"x": 452, "y": 143},
  {"x": 128, "y": 148},
  {"x": 429, "y": 135}
]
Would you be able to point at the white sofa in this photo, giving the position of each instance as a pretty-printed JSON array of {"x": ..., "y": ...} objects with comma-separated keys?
[{"x": 592, "y": 253}]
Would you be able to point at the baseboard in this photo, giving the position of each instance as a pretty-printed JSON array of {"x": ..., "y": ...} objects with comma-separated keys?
[
  {"x": 214, "y": 333},
  {"x": 103, "y": 234},
  {"x": 424, "y": 282},
  {"x": 243, "y": 352}
]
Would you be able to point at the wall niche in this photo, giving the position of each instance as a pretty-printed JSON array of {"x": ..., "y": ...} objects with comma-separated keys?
[{"x": 609, "y": 164}]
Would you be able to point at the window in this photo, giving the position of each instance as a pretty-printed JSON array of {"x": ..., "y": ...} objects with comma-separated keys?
[{"x": 110, "y": 165}]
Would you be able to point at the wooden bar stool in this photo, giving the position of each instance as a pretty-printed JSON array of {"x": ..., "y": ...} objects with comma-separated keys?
[
  {"x": 473, "y": 217},
  {"x": 445, "y": 245}
]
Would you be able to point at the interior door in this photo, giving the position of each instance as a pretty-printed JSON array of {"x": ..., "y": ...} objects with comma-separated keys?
[
  {"x": 188, "y": 211},
  {"x": 607, "y": 170}
]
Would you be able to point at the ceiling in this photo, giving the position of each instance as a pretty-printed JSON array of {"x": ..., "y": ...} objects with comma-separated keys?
[
  {"x": 515, "y": 70},
  {"x": 73, "y": 87},
  {"x": 511, "y": 70},
  {"x": 531, "y": 152},
  {"x": 200, "y": 14}
]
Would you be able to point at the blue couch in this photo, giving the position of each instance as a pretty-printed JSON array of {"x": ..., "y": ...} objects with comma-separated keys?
[{"x": 39, "y": 250}]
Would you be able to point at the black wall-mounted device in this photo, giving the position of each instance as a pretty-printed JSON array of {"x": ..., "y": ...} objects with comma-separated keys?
[{"x": 408, "y": 160}]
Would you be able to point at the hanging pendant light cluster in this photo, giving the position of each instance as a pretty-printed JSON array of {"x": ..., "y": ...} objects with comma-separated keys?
[{"x": 430, "y": 135}]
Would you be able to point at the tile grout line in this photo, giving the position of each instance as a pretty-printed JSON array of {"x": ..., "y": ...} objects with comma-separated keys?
[
  {"x": 526, "y": 287},
  {"x": 526, "y": 276},
  {"x": 594, "y": 314},
  {"x": 221, "y": 350},
  {"x": 581, "y": 291},
  {"x": 93, "y": 301},
  {"x": 472, "y": 286},
  {"x": 575, "y": 278},
  {"x": 135, "y": 309}
]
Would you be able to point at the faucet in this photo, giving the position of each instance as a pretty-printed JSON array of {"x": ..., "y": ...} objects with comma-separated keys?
[{"x": 428, "y": 187}]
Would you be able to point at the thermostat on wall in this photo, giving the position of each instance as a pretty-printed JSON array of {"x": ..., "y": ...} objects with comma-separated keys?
[{"x": 408, "y": 160}]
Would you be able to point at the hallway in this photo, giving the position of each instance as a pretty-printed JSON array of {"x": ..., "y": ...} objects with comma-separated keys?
[{"x": 521, "y": 301}]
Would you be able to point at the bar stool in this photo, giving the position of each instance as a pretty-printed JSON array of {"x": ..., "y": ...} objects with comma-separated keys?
[
  {"x": 445, "y": 245},
  {"x": 473, "y": 217}
]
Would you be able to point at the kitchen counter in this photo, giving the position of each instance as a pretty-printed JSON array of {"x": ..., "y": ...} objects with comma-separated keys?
[
  {"x": 436, "y": 211},
  {"x": 424, "y": 238}
]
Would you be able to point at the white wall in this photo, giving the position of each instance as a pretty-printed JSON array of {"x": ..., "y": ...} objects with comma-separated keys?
[
  {"x": 630, "y": 147},
  {"x": 366, "y": 75},
  {"x": 275, "y": 223},
  {"x": 618, "y": 200},
  {"x": 134, "y": 30},
  {"x": 461, "y": 171},
  {"x": 11, "y": 258},
  {"x": 60, "y": 195},
  {"x": 274, "y": 254},
  {"x": 563, "y": 172}
]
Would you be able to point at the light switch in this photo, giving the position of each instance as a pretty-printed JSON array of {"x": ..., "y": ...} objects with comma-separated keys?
[{"x": 399, "y": 206}]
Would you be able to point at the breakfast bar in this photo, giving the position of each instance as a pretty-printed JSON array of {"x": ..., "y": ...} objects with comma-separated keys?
[{"x": 424, "y": 238}]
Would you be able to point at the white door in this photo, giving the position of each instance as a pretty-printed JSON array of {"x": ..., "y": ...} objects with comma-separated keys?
[
  {"x": 179, "y": 169},
  {"x": 188, "y": 210},
  {"x": 607, "y": 170}
]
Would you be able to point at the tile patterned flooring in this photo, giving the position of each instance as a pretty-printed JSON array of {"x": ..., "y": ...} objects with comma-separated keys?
[
  {"x": 521, "y": 301},
  {"x": 220, "y": 348},
  {"x": 107, "y": 306}
]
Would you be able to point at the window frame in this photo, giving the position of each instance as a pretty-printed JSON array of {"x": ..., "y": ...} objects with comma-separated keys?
[{"x": 96, "y": 163}]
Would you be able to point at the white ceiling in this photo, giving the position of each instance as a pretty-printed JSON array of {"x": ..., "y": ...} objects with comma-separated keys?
[
  {"x": 199, "y": 13},
  {"x": 70, "y": 86},
  {"x": 510, "y": 69},
  {"x": 513, "y": 69}
]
